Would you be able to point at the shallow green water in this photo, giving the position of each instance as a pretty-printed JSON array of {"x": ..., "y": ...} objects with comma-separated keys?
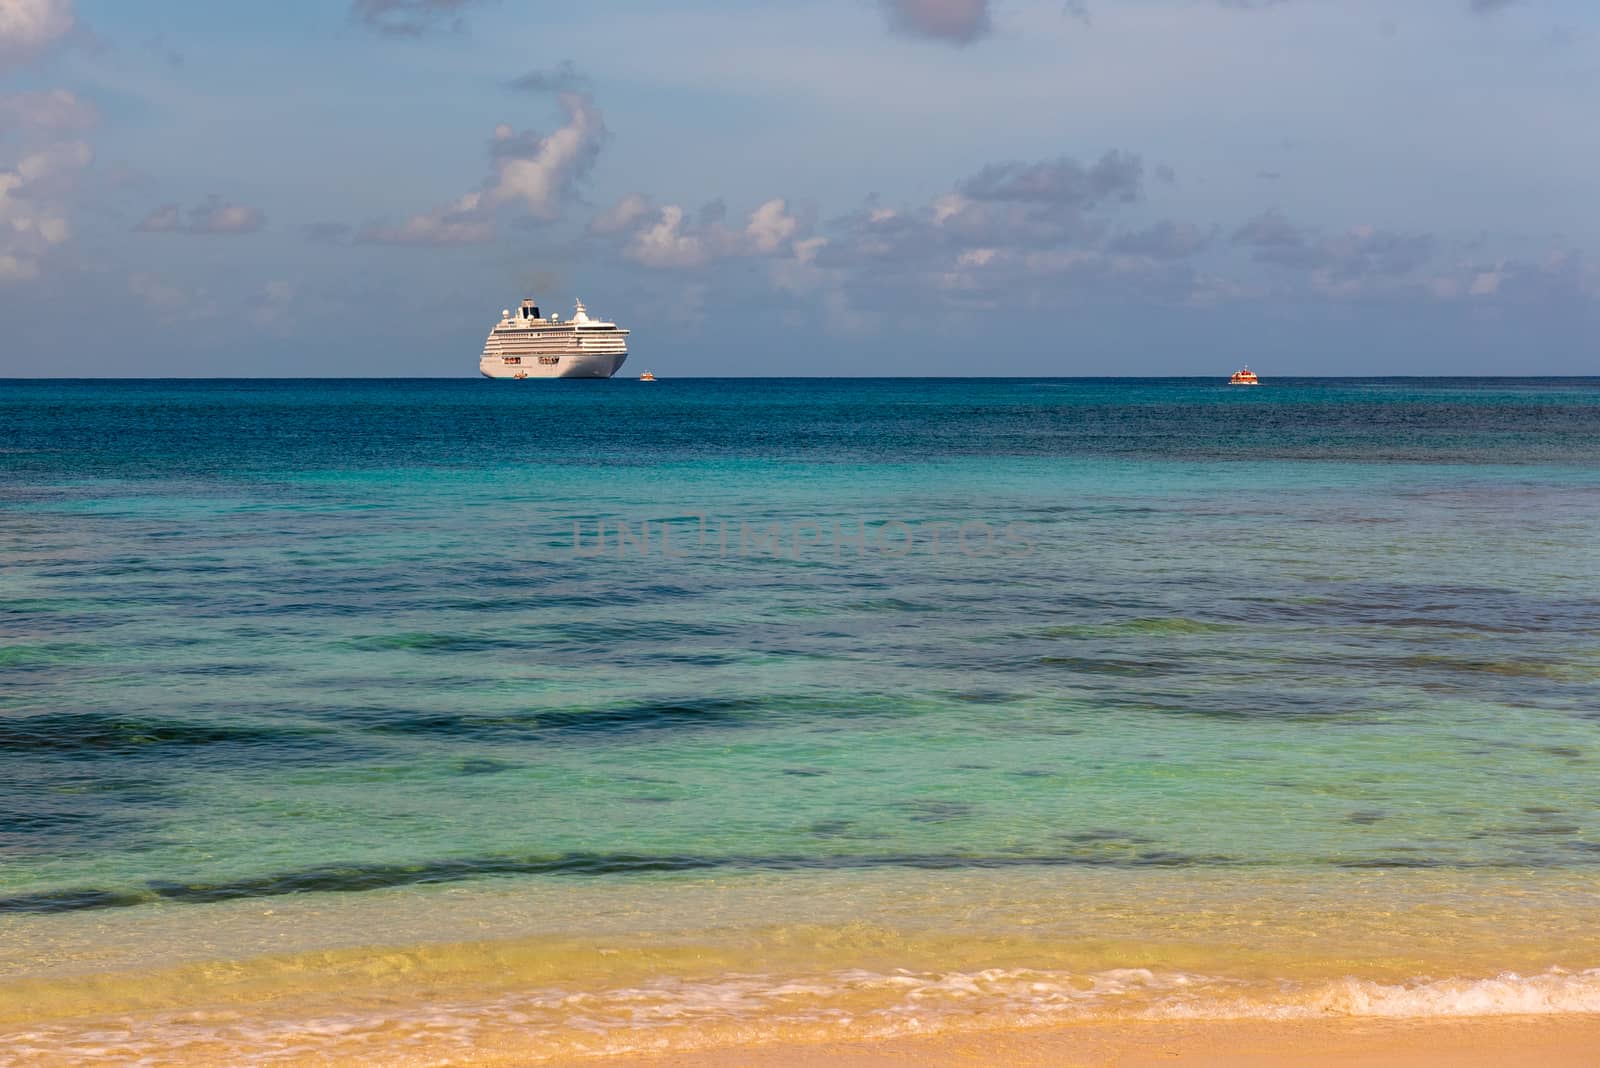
[{"x": 263, "y": 638}]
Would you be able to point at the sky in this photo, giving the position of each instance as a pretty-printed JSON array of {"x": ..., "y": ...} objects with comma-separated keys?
[{"x": 802, "y": 187}]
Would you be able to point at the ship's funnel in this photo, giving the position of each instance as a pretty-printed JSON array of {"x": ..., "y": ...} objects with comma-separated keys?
[{"x": 530, "y": 310}]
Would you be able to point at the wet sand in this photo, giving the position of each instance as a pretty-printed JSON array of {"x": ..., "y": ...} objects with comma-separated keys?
[{"x": 1501, "y": 1042}]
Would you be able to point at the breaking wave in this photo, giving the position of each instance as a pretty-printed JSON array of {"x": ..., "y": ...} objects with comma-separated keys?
[{"x": 667, "y": 1015}]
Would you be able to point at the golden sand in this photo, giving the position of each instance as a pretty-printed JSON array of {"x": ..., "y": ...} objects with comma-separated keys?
[
  {"x": 1509, "y": 1042},
  {"x": 1043, "y": 969}
]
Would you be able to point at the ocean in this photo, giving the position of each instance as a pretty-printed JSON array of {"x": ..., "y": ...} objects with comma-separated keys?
[{"x": 411, "y": 719}]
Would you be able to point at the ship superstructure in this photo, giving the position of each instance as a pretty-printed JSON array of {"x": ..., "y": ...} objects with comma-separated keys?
[{"x": 524, "y": 345}]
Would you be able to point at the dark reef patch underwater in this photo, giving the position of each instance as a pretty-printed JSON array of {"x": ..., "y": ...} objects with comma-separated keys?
[{"x": 267, "y": 638}]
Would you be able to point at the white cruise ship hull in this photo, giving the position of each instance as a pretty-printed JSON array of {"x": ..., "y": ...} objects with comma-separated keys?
[
  {"x": 584, "y": 365},
  {"x": 524, "y": 345}
]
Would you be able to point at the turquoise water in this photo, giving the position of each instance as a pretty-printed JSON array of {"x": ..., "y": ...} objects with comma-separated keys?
[{"x": 262, "y": 638}]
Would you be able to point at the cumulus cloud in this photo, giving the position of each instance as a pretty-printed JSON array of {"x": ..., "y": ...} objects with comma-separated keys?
[
  {"x": 166, "y": 219},
  {"x": 27, "y": 27},
  {"x": 537, "y": 174},
  {"x": 770, "y": 227},
  {"x": 622, "y": 215},
  {"x": 32, "y": 214},
  {"x": 669, "y": 240},
  {"x": 461, "y": 223},
  {"x": 959, "y": 22},
  {"x": 540, "y": 172},
  {"x": 49, "y": 110},
  {"x": 211, "y": 216},
  {"x": 410, "y": 18},
  {"x": 664, "y": 244},
  {"x": 36, "y": 179},
  {"x": 1562, "y": 277}
]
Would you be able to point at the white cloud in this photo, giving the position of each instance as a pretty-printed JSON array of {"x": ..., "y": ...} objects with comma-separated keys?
[
  {"x": 536, "y": 173},
  {"x": 945, "y": 208},
  {"x": 627, "y": 211},
  {"x": 27, "y": 27},
  {"x": 770, "y": 226},
  {"x": 806, "y": 251},
  {"x": 1485, "y": 283},
  {"x": 459, "y": 224},
  {"x": 542, "y": 174},
  {"x": 215, "y": 217},
  {"x": 35, "y": 187},
  {"x": 664, "y": 244},
  {"x": 667, "y": 241},
  {"x": 166, "y": 219},
  {"x": 211, "y": 216},
  {"x": 32, "y": 215},
  {"x": 47, "y": 110}
]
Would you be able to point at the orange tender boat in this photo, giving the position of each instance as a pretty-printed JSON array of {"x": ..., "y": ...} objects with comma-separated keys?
[{"x": 1244, "y": 377}]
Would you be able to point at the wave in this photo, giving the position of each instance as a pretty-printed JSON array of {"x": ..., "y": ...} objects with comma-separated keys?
[
  {"x": 678, "y": 1015},
  {"x": 1508, "y": 994}
]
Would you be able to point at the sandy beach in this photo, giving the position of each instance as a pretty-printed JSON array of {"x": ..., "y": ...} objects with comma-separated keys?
[
  {"x": 1506, "y": 1042},
  {"x": 1281, "y": 763},
  {"x": 799, "y": 534}
]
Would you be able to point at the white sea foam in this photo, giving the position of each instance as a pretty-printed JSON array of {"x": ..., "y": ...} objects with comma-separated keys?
[
  {"x": 1507, "y": 994},
  {"x": 679, "y": 1014}
]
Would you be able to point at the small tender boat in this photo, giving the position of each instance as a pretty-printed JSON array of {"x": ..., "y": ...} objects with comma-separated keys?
[
  {"x": 1244, "y": 377},
  {"x": 647, "y": 377}
]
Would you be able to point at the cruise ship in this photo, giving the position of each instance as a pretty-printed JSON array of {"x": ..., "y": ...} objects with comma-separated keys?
[{"x": 527, "y": 346}]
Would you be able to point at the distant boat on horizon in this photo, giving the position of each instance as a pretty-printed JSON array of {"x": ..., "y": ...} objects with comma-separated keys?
[
  {"x": 1244, "y": 377},
  {"x": 527, "y": 346}
]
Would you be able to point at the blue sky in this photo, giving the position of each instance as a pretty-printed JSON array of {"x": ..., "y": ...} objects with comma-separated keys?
[{"x": 803, "y": 186}]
